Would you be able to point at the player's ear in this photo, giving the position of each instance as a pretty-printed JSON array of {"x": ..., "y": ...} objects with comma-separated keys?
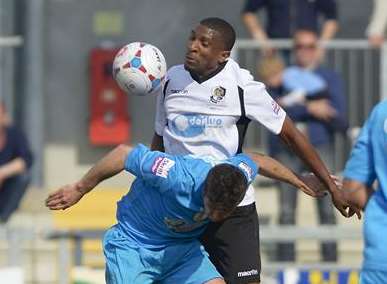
[{"x": 224, "y": 55}]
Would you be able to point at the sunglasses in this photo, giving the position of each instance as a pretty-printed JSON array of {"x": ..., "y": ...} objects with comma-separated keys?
[{"x": 305, "y": 46}]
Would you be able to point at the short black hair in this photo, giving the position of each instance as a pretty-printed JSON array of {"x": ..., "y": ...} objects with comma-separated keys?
[
  {"x": 225, "y": 30},
  {"x": 225, "y": 187}
]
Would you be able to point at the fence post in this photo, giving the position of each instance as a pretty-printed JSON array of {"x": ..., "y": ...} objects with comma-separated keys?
[{"x": 64, "y": 261}]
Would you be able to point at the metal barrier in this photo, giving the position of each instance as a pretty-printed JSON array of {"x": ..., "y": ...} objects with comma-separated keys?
[
  {"x": 67, "y": 255},
  {"x": 364, "y": 72}
]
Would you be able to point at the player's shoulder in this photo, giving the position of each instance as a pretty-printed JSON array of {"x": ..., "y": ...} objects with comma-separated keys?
[
  {"x": 382, "y": 106},
  {"x": 379, "y": 111},
  {"x": 245, "y": 164}
]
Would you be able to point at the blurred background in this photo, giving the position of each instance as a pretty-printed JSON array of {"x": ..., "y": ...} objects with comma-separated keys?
[{"x": 55, "y": 62}]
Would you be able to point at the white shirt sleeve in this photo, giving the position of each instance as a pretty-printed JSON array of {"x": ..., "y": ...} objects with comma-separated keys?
[
  {"x": 378, "y": 23},
  {"x": 261, "y": 107},
  {"x": 160, "y": 119}
]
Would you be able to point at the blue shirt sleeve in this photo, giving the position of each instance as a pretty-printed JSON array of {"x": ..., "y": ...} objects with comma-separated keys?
[
  {"x": 360, "y": 166},
  {"x": 156, "y": 168},
  {"x": 246, "y": 165}
]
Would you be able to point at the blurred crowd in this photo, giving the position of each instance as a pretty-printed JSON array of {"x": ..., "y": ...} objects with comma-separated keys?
[{"x": 312, "y": 95}]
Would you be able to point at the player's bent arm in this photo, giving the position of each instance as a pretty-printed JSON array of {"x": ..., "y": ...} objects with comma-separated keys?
[
  {"x": 157, "y": 143},
  {"x": 357, "y": 193},
  {"x": 296, "y": 141},
  {"x": 110, "y": 165},
  {"x": 273, "y": 169}
]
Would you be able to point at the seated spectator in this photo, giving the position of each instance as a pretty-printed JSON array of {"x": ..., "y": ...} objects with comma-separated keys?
[
  {"x": 313, "y": 97},
  {"x": 15, "y": 162},
  {"x": 377, "y": 26},
  {"x": 285, "y": 17}
]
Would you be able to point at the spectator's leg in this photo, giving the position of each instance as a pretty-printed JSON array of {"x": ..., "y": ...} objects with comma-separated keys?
[
  {"x": 287, "y": 207},
  {"x": 327, "y": 217},
  {"x": 325, "y": 208},
  {"x": 11, "y": 193}
]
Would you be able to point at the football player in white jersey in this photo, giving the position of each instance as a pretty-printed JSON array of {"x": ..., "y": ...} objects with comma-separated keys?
[{"x": 204, "y": 110}]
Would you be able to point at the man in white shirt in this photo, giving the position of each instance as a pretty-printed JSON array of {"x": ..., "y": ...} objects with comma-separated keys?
[{"x": 204, "y": 109}]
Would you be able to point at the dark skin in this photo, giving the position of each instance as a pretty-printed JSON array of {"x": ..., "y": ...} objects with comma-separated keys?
[{"x": 205, "y": 52}]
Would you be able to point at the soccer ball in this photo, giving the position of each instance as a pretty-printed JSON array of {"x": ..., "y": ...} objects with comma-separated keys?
[{"x": 139, "y": 68}]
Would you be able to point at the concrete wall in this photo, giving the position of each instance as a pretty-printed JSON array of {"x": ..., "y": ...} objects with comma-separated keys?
[{"x": 72, "y": 30}]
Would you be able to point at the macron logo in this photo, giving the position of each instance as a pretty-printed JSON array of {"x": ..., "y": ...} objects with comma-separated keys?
[
  {"x": 161, "y": 166},
  {"x": 248, "y": 273}
]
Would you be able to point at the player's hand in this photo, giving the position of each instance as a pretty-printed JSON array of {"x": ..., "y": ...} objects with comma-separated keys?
[
  {"x": 64, "y": 197},
  {"x": 340, "y": 203},
  {"x": 312, "y": 186}
]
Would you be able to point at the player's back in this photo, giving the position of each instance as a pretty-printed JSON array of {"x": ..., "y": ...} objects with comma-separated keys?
[{"x": 165, "y": 209}]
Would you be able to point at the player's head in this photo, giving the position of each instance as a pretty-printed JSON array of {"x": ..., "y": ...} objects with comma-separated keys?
[
  {"x": 306, "y": 47},
  {"x": 209, "y": 45},
  {"x": 224, "y": 189}
]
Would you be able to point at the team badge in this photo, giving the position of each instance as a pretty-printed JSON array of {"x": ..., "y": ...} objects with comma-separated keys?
[{"x": 218, "y": 94}]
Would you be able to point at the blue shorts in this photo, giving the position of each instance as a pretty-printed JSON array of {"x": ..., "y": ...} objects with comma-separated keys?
[
  {"x": 127, "y": 262},
  {"x": 368, "y": 276}
]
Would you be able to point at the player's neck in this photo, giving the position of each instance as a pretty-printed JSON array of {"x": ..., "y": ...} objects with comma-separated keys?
[{"x": 200, "y": 78}]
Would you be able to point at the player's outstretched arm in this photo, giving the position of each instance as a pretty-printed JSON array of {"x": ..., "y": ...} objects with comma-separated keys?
[
  {"x": 110, "y": 165},
  {"x": 273, "y": 169},
  {"x": 296, "y": 141}
]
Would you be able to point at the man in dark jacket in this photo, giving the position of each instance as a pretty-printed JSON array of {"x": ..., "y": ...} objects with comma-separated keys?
[
  {"x": 15, "y": 162},
  {"x": 313, "y": 97}
]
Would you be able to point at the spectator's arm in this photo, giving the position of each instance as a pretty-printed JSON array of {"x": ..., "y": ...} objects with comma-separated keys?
[
  {"x": 254, "y": 27},
  {"x": 329, "y": 30},
  {"x": 12, "y": 168},
  {"x": 329, "y": 9},
  {"x": 22, "y": 148}
]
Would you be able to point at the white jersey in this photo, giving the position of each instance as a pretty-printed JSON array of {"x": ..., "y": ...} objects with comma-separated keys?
[{"x": 210, "y": 118}]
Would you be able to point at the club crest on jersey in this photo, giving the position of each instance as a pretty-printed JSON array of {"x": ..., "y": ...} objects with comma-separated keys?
[{"x": 217, "y": 94}]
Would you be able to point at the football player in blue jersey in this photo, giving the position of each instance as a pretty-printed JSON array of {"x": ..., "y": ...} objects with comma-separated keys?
[
  {"x": 167, "y": 208},
  {"x": 365, "y": 187}
]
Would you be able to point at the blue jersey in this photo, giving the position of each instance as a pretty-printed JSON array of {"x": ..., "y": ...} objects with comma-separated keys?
[
  {"x": 165, "y": 202},
  {"x": 368, "y": 163}
]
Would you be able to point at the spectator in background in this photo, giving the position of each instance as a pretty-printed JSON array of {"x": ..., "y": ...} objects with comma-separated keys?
[
  {"x": 313, "y": 97},
  {"x": 378, "y": 23},
  {"x": 286, "y": 16},
  {"x": 15, "y": 161}
]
